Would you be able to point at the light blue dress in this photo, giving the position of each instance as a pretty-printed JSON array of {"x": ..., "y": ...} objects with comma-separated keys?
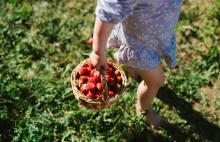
[{"x": 144, "y": 30}]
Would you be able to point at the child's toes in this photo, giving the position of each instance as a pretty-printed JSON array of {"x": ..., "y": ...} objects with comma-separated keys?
[
  {"x": 162, "y": 121},
  {"x": 115, "y": 57},
  {"x": 155, "y": 120}
]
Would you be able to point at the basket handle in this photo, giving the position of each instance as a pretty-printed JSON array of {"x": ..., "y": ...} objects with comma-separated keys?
[{"x": 104, "y": 84}]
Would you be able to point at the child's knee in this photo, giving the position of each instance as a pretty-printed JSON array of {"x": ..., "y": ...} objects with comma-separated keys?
[
  {"x": 157, "y": 83},
  {"x": 154, "y": 78},
  {"x": 160, "y": 82}
]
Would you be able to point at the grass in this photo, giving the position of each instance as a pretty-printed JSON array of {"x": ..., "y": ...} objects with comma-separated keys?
[{"x": 41, "y": 42}]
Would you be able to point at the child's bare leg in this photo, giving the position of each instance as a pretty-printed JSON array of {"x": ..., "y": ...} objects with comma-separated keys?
[
  {"x": 131, "y": 72},
  {"x": 147, "y": 90}
]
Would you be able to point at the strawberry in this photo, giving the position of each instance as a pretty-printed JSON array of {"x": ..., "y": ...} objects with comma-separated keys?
[
  {"x": 89, "y": 69},
  {"x": 98, "y": 78},
  {"x": 91, "y": 86},
  {"x": 85, "y": 65},
  {"x": 111, "y": 80},
  {"x": 99, "y": 95},
  {"x": 90, "y": 41},
  {"x": 117, "y": 72},
  {"x": 92, "y": 72},
  {"x": 107, "y": 77},
  {"x": 99, "y": 86},
  {"x": 110, "y": 65},
  {"x": 82, "y": 80},
  {"x": 83, "y": 89},
  {"x": 119, "y": 79},
  {"x": 91, "y": 95},
  {"x": 94, "y": 79},
  {"x": 83, "y": 71},
  {"x": 90, "y": 64},
  {"x": 109, "y": 70},
  {"x": 111, "y": 93},
  {"x": 97, "y": 73}
]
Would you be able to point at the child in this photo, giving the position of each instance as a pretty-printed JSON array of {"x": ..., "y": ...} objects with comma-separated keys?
[{"x": 143, "y": 31}]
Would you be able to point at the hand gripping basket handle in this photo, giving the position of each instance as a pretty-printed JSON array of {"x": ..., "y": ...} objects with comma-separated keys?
[{"x": 104, "y": 84}]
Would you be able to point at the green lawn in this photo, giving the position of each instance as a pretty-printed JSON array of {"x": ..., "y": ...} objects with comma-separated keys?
[{"x": 40, "y": 44}]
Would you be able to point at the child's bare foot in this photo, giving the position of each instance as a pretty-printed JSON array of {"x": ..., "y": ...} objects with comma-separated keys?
[
  {"x": 131, "y": 72},
  {"x": 152, "y": 118},
  {"x": 116, "y": 56}
]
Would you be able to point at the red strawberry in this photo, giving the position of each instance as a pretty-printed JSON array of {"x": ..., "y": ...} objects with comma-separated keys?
[
  {"x": 109, "y": 70},
  {"x": 81, "y": 82},
  {"x": 83, "y": 71},
  {"x": 97, "y": 73},
  {"x": 90, "y": 41},
  {"x": 84, "y": 78},
  {"x": 111, "y": 80},
  {"x": 119, "y": 79},
  {"x": 89, "y": 69},
  {"x": 111, "y": 93},
  {"x": 94, "y": 79},
  {"x": 92, "y": 72},
  {"x": 91, "y": 95},
  {"x": 98, "y": 78},
  {"x": 109, "y": 65},
  {"x": 99, "y": 95},
  {"x": 85, "y": 65},
  {"x": 83, "y": 89},
  {"x": 99, "y": 86},
  {"x": 91, "y": 86},
  {"x": 117, "y": 72},
  {"x": 90, "y": 64},
  {"x": 107, "y": 77}
]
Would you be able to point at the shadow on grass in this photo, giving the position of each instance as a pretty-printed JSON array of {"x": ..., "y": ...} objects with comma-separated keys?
[
  {"x": 198, "y": 124},
  {"x": 147, "y": 136},
  {"x": 168, "y": 133}
]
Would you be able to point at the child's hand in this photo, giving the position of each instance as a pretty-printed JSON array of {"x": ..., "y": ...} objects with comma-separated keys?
[
  {"x": 100, "y": 36},
  {"x": 98, "y": 61}
]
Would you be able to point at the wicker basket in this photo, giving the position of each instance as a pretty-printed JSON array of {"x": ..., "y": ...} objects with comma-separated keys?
[{"x": 97, "y": 104}]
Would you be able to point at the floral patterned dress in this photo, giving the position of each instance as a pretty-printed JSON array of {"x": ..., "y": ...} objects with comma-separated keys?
[{"x": 143, "y": 32}]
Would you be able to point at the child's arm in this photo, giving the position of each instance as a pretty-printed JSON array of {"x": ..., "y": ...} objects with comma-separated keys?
[
  {"x": 109, "y": 13},
  {"x": 100, "y": 36}
]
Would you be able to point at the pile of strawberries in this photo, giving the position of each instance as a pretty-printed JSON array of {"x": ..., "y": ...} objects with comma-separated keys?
[{"x": 89, "y": 81}]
